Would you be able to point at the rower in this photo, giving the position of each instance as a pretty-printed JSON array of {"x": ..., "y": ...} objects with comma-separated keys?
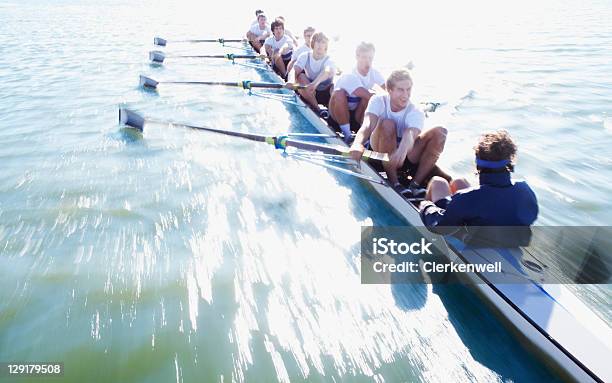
[
  {"x": 279, "y": 48},
  {"x": 257, "y": 13},
  {"x": 315, "y": 70},
  {"x": 287, "y": 31},
  {"x": 308, "y": 32},
  {"x": 353, "y": 90},
  {"x": 498, "y": 201},
  {"x": 392, "y": 124},
  {"x": 259, "y": 32}
]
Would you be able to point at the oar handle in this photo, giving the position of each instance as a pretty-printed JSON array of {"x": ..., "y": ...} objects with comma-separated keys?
[
  {"x": 293, "y": 86},
  {"x": 370, "y": 154},
  {"x": 271, "y": 85}
]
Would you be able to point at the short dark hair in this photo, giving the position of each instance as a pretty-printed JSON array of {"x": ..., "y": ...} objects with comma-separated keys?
[
  {"x": 277, "y": 23},
  {"x": 496, "y": 146}
]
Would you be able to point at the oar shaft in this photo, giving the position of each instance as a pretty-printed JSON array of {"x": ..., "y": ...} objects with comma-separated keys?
[
  {"x": 162, "y": 42},
  {"x": 214, "y": 41},
  {"x": 241, "y": 84},
  {"x": 333, "y": 149},
  {"x": 134, "y": 120},
  {"x": 228, "y": 56},
  {"x": 220, "y": 83},
  {"x": 248, "y": 136},
  {"x": 246, "y": 84}
]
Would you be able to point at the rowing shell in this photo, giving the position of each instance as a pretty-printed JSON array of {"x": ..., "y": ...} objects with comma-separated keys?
[{"x": 566, "y": 333}]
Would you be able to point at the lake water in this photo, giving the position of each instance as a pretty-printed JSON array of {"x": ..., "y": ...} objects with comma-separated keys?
[{"x": 182, "y": 256}]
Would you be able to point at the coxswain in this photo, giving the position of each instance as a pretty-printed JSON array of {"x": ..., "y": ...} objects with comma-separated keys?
[{"x": 497, "y": 201}]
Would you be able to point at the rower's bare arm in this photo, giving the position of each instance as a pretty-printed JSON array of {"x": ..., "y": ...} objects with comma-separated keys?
[
  {"x": 325, "y": 74},
  {"x": 269, "y": 50},
  {"x": 405, "y": 146},
  {"x": 297, "y": 70},
  {"x": 363, "y": 134},
  {"x": 289, "y": 68},
  {"x": 362, "y": 93}
]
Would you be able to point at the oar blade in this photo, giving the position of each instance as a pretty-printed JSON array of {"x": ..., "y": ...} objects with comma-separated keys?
[
  {"x": 157, "y": 56},
  {"x": 131, "y": 119},
  {"x": 146, "y": 82},
  {"x": 159, "y": 41}
]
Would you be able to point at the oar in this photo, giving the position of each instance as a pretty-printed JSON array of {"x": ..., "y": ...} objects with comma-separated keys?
[
  {"x": 162, "y": 42},
  {"x": 430, "y": 107},
  {"x": 134, "y": 120},
  {"x": 159, "y": 56},
  {"x": 147, "y": 82}
]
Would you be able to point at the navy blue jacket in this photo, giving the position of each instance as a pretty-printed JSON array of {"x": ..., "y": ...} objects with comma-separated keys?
[{"x": 496, "y": 202}]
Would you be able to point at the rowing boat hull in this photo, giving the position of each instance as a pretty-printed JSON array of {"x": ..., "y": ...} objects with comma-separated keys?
[{"x": 569, "y": 336}]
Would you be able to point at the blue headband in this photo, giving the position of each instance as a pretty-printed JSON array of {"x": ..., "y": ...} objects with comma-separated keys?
[{"x": 491, "y": 164}]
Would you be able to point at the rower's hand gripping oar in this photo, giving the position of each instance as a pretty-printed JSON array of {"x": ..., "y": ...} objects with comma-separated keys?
[
  {"x": 136, "y": 121},
  {"x": 162, "y": 42},
  {"x": 147, "y": 82},
  {"x": 158, "y": 57}
]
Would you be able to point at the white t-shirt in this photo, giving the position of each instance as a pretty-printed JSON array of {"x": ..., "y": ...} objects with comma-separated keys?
[
  {"x": 259, "y": 32},
  {"x": 301, "y": 49},
  {"x": 278, "y": 44},
  {"x": 351, "y": 81},
  {"x": 313, "y": 67},
  {"x": 409, "y": 117}
]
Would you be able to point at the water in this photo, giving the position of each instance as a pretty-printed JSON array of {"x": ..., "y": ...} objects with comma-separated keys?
[{"x": 176, "y": 255}]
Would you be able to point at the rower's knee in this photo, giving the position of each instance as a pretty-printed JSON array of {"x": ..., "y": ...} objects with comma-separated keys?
[
  {"x": 459, "y": 184},
  {"x": 438, "y": 182},
  {"x": 437, "y": 189},
  {"x": 440, "y": 135},
  {"x": 388, "y": 127},
  {"x": 437, "y": 138},
  {"x": 338, "y": 97}
]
